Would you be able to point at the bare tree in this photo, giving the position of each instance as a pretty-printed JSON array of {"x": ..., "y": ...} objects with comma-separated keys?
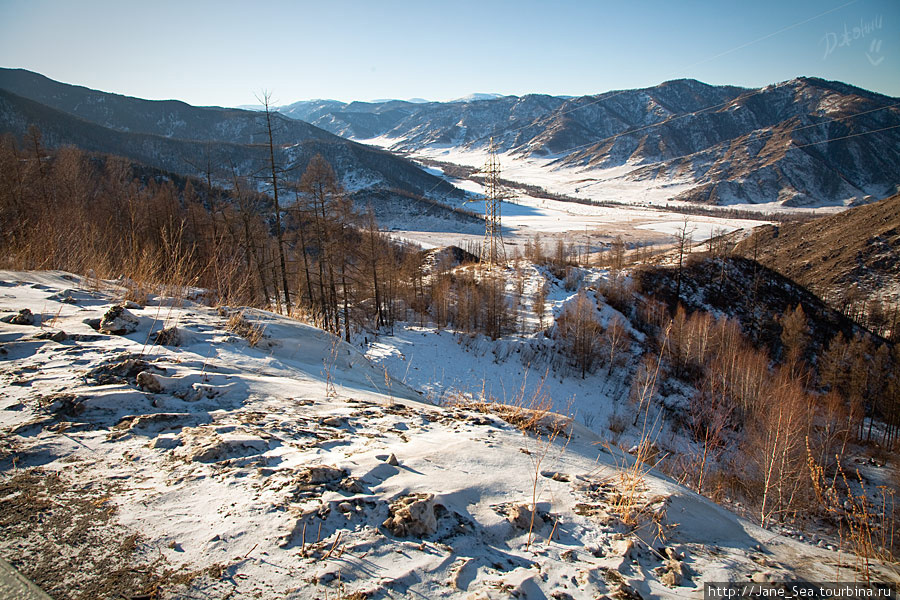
[
  {"x": 275, "y": 172},
  {"x": 683, "y": 240}
]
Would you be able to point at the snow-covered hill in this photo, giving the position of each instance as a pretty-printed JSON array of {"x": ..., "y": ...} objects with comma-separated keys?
[{"x": 245, "y": 455}]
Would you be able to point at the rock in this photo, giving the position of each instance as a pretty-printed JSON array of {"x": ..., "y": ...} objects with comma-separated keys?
[
  {"x": 23, "y": 317},
  {"x": 671, "y": 579},
  {"x": 321, "y": 474},
  {"x": 165, "y": 442},
  {"x": 215, "y": 448},
  {"x": 169, "y": 336},
  {"x": 118, "y": 320},
  {"x": 67, "y": 405},
  {"x": 64, "y": 296},
  {"x": 412, "y": 516},
  {"x": 555, "y": 476},
  {"x": 392, "y": 460},
  {"x": 120, "y": 372},
  {"x": 672, "y": 573},
  {"x": 624, "y": 548},
  {"x": 93, "y": 323},
  {"x": 148, "y": 382},
  {"x": 520, "y": 515},
  {"x": 352, "y": 485},
  {"x": 56, "y": 336},
  {"x": 166, "y": 420}
]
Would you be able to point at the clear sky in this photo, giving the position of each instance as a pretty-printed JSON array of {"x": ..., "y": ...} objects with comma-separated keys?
[{"x": 223, "y": 53}]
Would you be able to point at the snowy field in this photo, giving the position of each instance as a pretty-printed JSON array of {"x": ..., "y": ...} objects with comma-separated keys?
[
  {"x": 641, "y": 220},
  {"x": 195, "y": 465}
]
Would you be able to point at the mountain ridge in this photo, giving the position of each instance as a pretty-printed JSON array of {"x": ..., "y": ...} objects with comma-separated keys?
[
  {"x": 723, "y": 139},
  {"x": 177, "y": 137}
]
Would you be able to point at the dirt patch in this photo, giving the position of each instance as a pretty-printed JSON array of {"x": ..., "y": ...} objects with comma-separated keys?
[{"x": 64, "y": 538}]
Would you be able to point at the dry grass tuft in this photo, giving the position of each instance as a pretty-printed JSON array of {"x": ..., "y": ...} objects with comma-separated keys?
[
  {"x": 252, "y": 332},
  {"x": 868, "y": 524}
]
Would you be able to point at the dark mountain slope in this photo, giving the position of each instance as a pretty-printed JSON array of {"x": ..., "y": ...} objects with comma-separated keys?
[
  {"x": 853, "y": 256},
  {"x": 362, "y": 169},
  {"x": 168, "y": 118}
]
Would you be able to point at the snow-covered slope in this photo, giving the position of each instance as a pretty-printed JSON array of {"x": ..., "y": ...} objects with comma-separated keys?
[
  {"x": 733, "y": 145},
  {"x": 296, "y": 469}
]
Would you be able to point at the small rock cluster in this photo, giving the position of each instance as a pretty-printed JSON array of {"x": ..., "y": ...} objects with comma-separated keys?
[{"x": 412, "y": 516}]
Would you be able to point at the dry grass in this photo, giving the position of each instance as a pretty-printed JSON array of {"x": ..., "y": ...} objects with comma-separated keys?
[
  {"x": 629, "y": 502},
  {"x": 868, "y": 527},
  {"x": 252, "y": 332}
]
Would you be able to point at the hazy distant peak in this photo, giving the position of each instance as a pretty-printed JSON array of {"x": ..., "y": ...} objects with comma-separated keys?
[{"x": 477, "y": 97}]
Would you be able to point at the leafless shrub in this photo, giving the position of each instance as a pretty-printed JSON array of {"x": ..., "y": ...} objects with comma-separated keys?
[{"x": 240, "y": 325}]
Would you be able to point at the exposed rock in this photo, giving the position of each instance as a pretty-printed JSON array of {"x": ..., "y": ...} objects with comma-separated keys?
[
  {"x": 412, "y": 516},
  {"x": 118, "y": 320},
  {"x": 165, "y": 442},
  {"x": 144, "y": 421},
  {"x": 520, "y": 515},
  {"x": 319, "y": 474},
  {"x": 215, "y": 448},
  {"x": 672, "y": 572},
  {"x": 64, "y": 405},
  {"x": 120, "y": 372},
  {"x": 169, "y": 336},
  {"x": 23, "y": 317},
  {"x": 56, "y": 336},
  {"x": 148, "y": 382},
  {"x": 392, "y": 460},
  {"x": 64, "y": 296},
  {"x": 624, "y": 548},
  {"x": 93, "y": 323},
  {"x": 555, "y": 476},
  {"x": 352, "y": 485}
]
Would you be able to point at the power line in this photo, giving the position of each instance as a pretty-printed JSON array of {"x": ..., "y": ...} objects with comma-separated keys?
[
  {"x": 844, "y": 137},
  {"x": 761, "y": 135},
  {"x": 674, "y": 72},
  {"x": 609, "y": 96}
]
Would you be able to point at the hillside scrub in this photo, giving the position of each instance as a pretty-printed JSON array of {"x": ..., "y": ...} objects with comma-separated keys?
[{"x": 85, "y": 213}]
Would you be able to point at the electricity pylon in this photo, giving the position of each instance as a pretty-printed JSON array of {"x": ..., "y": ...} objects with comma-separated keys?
[{"x": 492, "y": 251}]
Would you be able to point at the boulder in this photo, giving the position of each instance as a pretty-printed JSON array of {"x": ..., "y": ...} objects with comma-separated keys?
[
  {"x": 118, "y": 320},
  {"x": 23, "y": 317},
  {"x": 148, "y": 382}
]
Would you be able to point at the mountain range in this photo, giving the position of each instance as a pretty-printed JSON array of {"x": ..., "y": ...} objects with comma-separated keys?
[
  {"x": 723, "y": 145},
  {"x": 732, "y": 144},
  {"x": 185, "y": 139}
]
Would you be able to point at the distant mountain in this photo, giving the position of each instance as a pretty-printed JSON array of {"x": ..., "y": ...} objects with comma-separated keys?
[
  {"x": 178, "y": 137},
  {"x": 736, "y": 145},
  {"x": 476, "y": 97}
]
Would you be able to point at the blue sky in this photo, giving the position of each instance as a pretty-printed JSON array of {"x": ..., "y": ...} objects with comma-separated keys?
[{"x": 225, "y": 52}]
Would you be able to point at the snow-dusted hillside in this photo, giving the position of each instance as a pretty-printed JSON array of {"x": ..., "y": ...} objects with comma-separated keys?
[
  {"x": 192, "y": 464},
  {"x": 728, "y": 145}
]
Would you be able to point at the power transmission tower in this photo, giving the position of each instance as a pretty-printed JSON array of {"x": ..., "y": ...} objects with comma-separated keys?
[{"x": 492, "y": 251}]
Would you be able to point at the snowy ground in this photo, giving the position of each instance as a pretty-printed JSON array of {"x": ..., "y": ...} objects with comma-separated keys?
[
  {"x": 641, "y": 220},
  {"x": 297, "y": 469}
]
